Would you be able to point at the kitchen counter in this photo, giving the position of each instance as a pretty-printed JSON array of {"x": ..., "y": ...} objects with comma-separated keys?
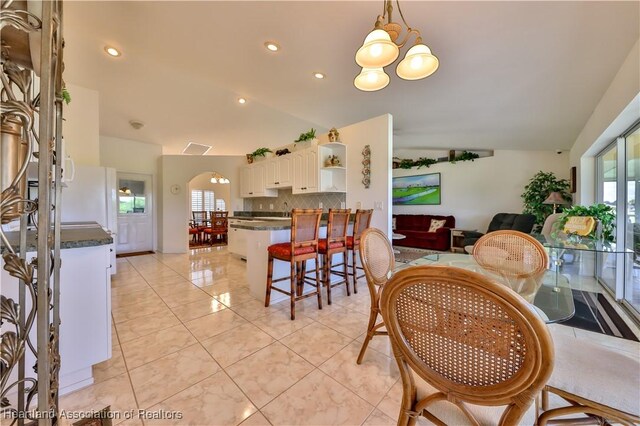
[{"x": 73, "y": 237}]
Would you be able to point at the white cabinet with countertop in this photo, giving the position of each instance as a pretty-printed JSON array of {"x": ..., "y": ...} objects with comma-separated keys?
[{"x": 85, "y": 304}]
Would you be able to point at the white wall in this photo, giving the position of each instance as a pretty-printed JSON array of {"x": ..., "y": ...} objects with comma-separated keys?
[
  {"x": 174, "y": 208},
  {"x": 203, "y": 182},
  {"x": 616, "y": 111},
  {"x": 474, "y": 191},
  {"x": 81, "y": 128},
  {"x": 378, "y": 133}
]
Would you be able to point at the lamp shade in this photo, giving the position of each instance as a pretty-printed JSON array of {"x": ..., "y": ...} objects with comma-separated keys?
[
  {"x": 377, "y": 51},
  {"x": 371, "y": 79},
  {"x": 555, "y": 198},
  {"x": 418, "y": 63},
  {"x": 214, "y": 180}
]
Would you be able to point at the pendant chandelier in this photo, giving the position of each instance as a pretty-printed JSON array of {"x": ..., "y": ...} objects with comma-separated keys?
[
  {"x": 381, "y": 48},
  {"x": 218, "y": 178}
]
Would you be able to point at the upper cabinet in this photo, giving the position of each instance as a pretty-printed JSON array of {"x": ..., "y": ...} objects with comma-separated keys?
[
  {"x": 305, "y": 171},
  {"x": 279, "y": 172},
  {"x": 253, "y": 181}
]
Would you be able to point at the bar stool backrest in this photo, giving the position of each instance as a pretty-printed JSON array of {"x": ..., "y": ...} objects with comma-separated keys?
[
  {"x": 304, "y": 228},
  {"x": 362, "y": 222},
  {"x": 337, "y": 225}
]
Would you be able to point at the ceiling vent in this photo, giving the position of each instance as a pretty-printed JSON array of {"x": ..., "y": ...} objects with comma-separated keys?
[{"x": 196, "y": 149}]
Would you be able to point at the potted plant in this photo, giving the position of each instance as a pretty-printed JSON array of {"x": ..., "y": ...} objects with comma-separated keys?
[
  {"x": 260, "y": 152},
  {"x": 538, "y": 189},
  {"x": 309, "y": 136},
  {"x": 603, "y": 213}
]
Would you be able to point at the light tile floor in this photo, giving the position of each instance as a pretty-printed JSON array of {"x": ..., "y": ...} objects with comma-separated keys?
[{"x": 189, "y": 337}]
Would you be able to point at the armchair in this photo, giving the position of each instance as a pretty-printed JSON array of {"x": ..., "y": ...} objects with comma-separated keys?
[{"x": 500, "y": 222}]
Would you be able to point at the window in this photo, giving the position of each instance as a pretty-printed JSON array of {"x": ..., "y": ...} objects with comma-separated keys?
[
  {"x": 221, "y": 205},
  {"x": 131, "y": 196},
  {"x": 202, "y": 200}
]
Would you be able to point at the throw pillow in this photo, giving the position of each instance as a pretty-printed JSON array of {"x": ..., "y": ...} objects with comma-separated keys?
[{"x": 436, "y": 224}]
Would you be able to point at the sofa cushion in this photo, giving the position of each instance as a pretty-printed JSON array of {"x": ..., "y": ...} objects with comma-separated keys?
[
  {"x": 436, "y": 224},
  {"x": 512, "y": 221}
]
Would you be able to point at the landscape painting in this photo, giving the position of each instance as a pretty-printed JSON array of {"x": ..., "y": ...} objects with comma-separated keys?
[{"x": 414, "y": 190}]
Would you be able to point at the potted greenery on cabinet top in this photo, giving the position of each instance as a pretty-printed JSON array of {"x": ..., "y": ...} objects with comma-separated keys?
[{"x": 308, "y": 136}]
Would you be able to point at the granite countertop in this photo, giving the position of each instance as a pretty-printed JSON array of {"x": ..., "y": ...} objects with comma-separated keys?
[
  {"x": 266, "y": 225},
  {"x": 69, "y": 238}
]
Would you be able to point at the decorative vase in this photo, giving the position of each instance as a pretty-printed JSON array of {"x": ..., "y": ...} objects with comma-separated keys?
[{"x": 249, "y": 158}]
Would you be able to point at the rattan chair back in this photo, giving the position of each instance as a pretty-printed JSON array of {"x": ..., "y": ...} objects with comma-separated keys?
[
  {"x": 305, "y": 224},
  {"x": 471, "y": 338},
  {"x": 337, "y": 225},
  {"x": 511, "y": 253},
  {"x": 361, "y": 222},
  {"x": 376, "y": 254}
]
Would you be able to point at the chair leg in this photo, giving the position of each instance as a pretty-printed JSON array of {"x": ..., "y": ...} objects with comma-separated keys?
[
  {"x": 327, "y": 275},
  {"x": 267, "y": 298},
  {"x": 293, "y": 290},
  {"x": 345, "y": 268},
  {"x": 318, "y": 283},
  {"x": 355, "y": 270},
  {"x": 373, "y": 316}
]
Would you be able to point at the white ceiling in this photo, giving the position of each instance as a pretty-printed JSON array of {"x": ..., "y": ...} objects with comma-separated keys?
[{"x": 513, "y": 75}]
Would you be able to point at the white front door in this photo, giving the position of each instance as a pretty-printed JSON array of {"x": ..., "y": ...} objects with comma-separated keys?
[{"x": 135, "y": 213}]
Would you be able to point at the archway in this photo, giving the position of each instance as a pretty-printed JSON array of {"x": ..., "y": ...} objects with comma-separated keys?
[{"x": 207, "y": 193}]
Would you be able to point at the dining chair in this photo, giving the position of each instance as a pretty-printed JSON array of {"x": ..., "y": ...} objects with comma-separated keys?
[
  {"x": 378, "y": 262},
  {"x": 511, "y": 253},
  {"x": 200, "y": 219},
  {"x": 595, "y": 381},
  {"x": 335, "y": 243},
  {"x": 303, "y": 246},
  {"x": 460, "y": 338},
  {"x": 219, "y": 226},
  {"x": 361, "y": 222}
]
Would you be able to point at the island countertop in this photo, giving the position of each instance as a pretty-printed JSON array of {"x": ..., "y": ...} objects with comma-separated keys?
[
  {"x": 266, "y": 225},
  {"x": 89, "y": 236}
]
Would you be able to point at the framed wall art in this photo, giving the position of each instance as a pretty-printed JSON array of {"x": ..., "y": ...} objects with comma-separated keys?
[{"x": 417, "y": 190}]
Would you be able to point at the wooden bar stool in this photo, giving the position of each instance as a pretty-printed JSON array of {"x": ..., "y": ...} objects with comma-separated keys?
[
  {"x": 362, "y": 222},
  {"x": 336, "y": 242},
  {"x": 303, "y": 246}
]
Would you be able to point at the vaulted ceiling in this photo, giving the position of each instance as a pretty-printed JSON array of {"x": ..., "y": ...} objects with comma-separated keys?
[{"x": 513, "y": 75}]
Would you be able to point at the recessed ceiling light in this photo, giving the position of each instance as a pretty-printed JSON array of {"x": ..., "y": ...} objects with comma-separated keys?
[
  {"x": 318, "y": 75},
  {"x": 274, "y": 47},
  {"x": 242, "y": 101},
  {"x": 112, "y": 51}
]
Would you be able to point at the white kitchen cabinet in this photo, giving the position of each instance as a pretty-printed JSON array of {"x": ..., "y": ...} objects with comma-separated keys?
[
  {"x": 253, "y": 181},
  {"x": 332, "y": 178},
  {"x": 279, "y": 172},
  {"x": 305, "y": 171},
  {"x": 237, "y": 241},
  {"x": 85, "y": 312}
]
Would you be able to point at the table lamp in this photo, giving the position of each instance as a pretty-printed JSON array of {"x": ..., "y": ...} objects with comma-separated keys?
[{"x": 556, "y": 199}]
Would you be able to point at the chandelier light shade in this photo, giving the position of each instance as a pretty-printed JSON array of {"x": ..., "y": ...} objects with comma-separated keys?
[
  {"x": 381, "y": 48},
  {"x": 418, "y": 63},
  {"x": 371, "y": 79},
  {"x": 377, "y": 51}
]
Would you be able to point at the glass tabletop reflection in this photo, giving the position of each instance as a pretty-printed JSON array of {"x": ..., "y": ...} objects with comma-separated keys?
[{"x": 550, "y": 295}]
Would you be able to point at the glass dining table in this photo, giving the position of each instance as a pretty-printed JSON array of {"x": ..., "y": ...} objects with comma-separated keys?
[{"x": 549, "y": 295}]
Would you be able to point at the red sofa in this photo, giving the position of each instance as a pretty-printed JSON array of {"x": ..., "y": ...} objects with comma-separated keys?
[{"x": 416, "y": 226}]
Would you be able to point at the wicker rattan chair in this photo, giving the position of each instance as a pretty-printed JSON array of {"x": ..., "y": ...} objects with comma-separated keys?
[
  {"x": 461, "y": 338},
  {"x": 511, "y": 253},
  {"x": 335, "y": 243},
  {"x": 376, "y": 254},
  {"x": 595, "y": 381},
  {"x": 303, "y": 247}
]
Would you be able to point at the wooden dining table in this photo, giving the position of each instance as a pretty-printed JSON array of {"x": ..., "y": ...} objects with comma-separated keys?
[{"x": 549, "y": 294}]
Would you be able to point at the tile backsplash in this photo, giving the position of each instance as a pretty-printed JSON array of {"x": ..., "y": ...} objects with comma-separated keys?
[{"x": 298, "y": 201}]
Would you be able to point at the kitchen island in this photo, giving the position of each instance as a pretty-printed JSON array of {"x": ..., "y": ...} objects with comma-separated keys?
[
  {"x": 249, "y": 238},
  {"x": 85, "y": 300}
]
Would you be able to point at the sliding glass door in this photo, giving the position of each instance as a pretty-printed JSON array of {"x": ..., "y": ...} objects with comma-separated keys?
[
  {"x": 607, "y": 169},
  {"x": 632, "y": 231}
]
